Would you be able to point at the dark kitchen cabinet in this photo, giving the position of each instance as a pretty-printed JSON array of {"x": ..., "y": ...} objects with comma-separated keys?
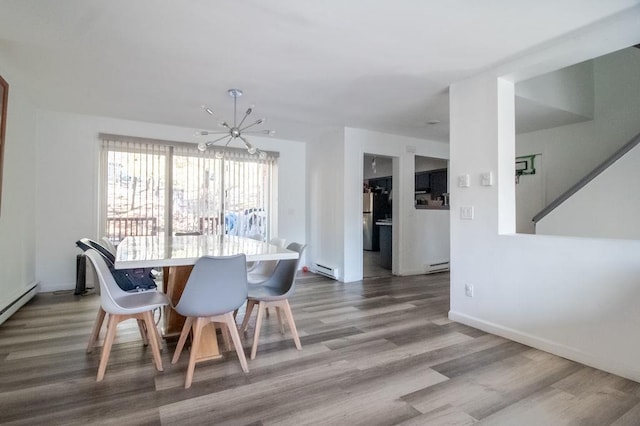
[
  {"x": 433, "y": 181},
  {"x": 438, "y": 183}
]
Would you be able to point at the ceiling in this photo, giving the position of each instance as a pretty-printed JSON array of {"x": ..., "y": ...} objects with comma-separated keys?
[{"x": 307, "y": 66}]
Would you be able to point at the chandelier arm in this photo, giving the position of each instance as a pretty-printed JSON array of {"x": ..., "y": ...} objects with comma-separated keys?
[
  {"x": 252, "y": 124},
  {"x": 257, "y": 132},
  {"x": 209, "y": 143},
  {"x": 228, "y": 142},
  {"x": 250, "y": 148},
  {"x": 217, "y": 132},
  {"x": 246, "y": 114}
]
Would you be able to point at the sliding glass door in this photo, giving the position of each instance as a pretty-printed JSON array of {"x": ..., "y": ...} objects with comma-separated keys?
[{"x": 157, "y": 188}]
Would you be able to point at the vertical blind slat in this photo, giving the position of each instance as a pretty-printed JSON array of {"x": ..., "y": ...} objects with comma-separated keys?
[{"x": 210, "y": 194}]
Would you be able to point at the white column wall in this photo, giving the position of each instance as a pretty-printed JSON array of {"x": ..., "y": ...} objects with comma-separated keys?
[
  {"x": 17, "y": 210},
  {"x": 325, "y": 171},
  {"x": 576, "y": 297},
  {"x": 67, "y": 186}
]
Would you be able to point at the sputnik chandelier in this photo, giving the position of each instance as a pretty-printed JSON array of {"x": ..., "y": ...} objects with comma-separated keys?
[{"x": 235, "y": 131}]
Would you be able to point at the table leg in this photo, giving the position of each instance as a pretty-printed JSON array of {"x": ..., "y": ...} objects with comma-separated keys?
[{"x": 176, "y": 279}]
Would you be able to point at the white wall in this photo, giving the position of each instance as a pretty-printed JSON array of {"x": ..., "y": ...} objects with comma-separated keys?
[
  {"x": 572, "y": 151},
  {"x": 406, "y": 219},
  {"x": 67, "y": 186},
  {"x": 17, "y": 211},
  {"x": 325, "y": 174},
  {"x": 569, "y": 89},
  {"x": 335, "y": 170},
  {"x": 607, "y": 207},
  {"x": 576, "y": 297},
  {"x": 424, "y": 164},
  {"x": 384, "y": 167}
]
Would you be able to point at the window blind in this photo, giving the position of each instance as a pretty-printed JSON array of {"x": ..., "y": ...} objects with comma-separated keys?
[{"x": 155, "y": 187}]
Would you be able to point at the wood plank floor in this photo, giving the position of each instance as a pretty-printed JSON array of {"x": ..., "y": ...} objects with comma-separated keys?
[{"x": 378, "y": 352}]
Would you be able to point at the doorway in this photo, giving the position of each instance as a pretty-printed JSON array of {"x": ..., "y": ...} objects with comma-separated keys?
[{"x": 377, "y": 230}]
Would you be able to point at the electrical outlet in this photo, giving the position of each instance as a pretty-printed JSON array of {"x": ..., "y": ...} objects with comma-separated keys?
[{"x": 468, "y": 290}]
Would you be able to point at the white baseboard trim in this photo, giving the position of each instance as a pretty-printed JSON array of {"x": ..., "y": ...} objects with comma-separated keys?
[
  {"x": 10, "y": 309},
  {"x": 604, "y": 364},
  {"x": 48, "y": 288}
]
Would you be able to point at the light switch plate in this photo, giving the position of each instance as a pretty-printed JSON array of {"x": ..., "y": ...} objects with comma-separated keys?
[
  {"x": 466, "y": 212},
  {"x": 486, "y": 179},
  {"x": 464, "y": 181}
]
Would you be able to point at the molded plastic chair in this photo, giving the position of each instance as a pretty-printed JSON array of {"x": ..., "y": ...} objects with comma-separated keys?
[
  {"x": 274, "y": 292},
  {"x": 216, "y": 287},
  {"x": 121, "y": 306},
  {"x": 109, "y": 245},
  {"x": 260, "y": 271}
]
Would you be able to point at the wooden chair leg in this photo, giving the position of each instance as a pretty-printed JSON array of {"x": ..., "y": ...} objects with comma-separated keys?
[
  {"x": 155, "y": 348},
  {"x": 280, "y": 322},
  {"x": 112, "y": 325},
  {"x": 96, "y": 329},
  {"x": 156, "y": 333},
  {"x": 231, "y": 328},
  {"x": 224, "y": 328},
  {"x": 183, "y": 338},
  {"x": 198, "y": 324},
  {"x": 256, "y": 335},
  {"x": 292, "y": 324},
  {"x": 143, "y": 332},
  {"x": 247, "y": 316}
]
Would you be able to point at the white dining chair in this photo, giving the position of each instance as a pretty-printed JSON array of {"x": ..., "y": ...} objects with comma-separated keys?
[
  {"x": 215, "y": 288},
  {"x": 120, "y": 306},
  {"x": 275, "y": 292},
  {"x": 261, "y": 270},
  {"x": 108, "y": 244}
]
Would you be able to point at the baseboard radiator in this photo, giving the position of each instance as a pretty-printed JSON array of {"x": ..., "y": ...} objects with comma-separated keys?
[
  {"x": 438, "y": 267},
  {"x": 325, "y": 270},
  {"x": 12, "y": 307}
]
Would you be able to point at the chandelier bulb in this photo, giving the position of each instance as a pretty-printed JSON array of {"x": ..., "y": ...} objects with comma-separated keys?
[
  {"x": 207, "y": 109},
  {"x": 252, "y": 150},
  {"x": 262, "y": 155},
  {"x": 250, "y": 109},
  {"x": 202, "y": 146},
  {"x": 219, "y": 154}
]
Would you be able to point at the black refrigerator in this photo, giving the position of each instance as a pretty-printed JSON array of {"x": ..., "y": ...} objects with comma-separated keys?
[{"x": 375, "y": 207}]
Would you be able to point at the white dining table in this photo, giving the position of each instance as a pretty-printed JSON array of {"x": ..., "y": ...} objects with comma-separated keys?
[
  {"x": 177, "y": 255},
  {"x": 165, "y": 251}
]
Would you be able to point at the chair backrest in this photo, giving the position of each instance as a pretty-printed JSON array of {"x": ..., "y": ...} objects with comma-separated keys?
[
  {"x": 266, "y": 267},
  {"x": 108, "y": 244},
  {"x": 87, "y": 244},
  {"x": 216, "y": 285},
  {"x": 283, "y": 278},
  {"x": 277, "y": 241},
  {"x": 110, "y": 292}
]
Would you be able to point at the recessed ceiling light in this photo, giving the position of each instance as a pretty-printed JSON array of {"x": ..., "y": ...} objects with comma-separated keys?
[{"x": 433, "y": 122}]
